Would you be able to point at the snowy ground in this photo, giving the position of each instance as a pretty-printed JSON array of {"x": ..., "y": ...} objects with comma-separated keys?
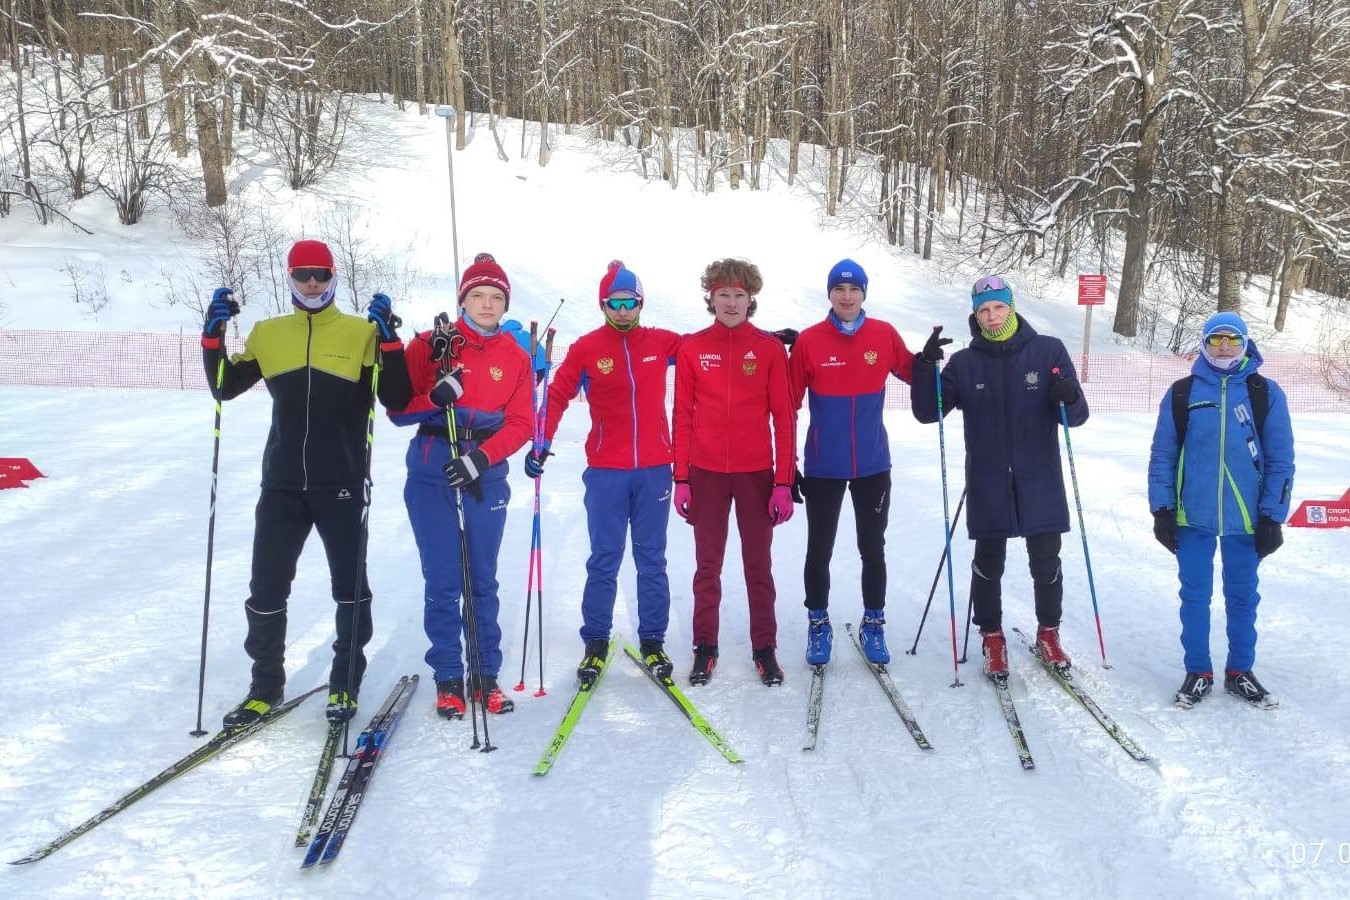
[{"x": 103, "y": 560}]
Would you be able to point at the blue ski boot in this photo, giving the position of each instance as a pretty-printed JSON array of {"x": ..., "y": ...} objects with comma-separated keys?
[
  {"x": 873, "y": 637},
  {"x": 819, "y": 637}
]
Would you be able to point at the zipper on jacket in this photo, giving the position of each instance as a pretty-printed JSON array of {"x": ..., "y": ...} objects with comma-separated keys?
[
  {"x": 1223, "y": 432},
  {"x": 726, "y": 368},
  {"x": 632, "y": 398},
  {"x": 309, "y": 392}
]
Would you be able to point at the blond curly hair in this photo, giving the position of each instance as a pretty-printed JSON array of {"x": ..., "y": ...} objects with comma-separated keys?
[{"x": 729, "y": 272}]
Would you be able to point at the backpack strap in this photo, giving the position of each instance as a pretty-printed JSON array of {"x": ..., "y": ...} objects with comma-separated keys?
[
  {"x": 1258, "y": 392},
  {"x": 1181, "y": 400}
]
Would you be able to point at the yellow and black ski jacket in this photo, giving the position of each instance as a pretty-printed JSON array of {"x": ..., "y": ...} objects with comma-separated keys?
[{"x": 318, "y": 369}]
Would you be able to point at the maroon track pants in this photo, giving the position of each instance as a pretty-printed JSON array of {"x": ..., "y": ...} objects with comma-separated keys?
[{"x": 713, "y": 494}]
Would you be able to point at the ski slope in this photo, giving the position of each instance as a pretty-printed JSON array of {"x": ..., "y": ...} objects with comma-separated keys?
[{"x": 103, "y": 564}]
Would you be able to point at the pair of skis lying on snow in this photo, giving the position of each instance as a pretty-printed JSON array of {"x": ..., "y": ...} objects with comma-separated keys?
[{"x": 324, "y": 845}]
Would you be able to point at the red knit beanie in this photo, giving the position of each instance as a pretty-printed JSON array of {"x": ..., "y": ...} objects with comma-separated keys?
[
  {"x": 485, "y": 272},
  {"x": 310, "y": 253}
]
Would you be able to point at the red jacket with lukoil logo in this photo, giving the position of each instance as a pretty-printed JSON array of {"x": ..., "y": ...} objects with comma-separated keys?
[
  {"x": 624, "y": 376},
  {"x": 729, "y": 382}
]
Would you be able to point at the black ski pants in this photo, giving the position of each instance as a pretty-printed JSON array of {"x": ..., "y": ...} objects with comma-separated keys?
[
  {"x": 871, "y": 510},
  {"x": 284, "y": 520},
  {"x": 986, "y": 579}
]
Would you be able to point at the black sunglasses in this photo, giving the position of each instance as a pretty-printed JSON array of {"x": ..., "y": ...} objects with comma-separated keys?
[{"x": 304, "y": 273}]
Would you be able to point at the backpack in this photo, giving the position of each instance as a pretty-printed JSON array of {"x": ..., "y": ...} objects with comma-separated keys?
[{"x": 1258, "y": 391}]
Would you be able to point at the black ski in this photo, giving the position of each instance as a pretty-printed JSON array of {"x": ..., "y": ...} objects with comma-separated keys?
[
  {"x": 884, "y": 679},
  {"x": 317, "y": 790},
  {"x": 351, "y": 789},
  {"x": 1075, "y": 690},
  {"x": 224, "y": 738},
  {"x": 815, "y": 698},
  {"x": 1005, "y": 701}
]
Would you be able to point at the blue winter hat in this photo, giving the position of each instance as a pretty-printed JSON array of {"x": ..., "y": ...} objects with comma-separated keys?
[
  {"x": 1225, "y": 322},
  {"x": 990, "y": 288},
  {"x": 846, "y": 271}
]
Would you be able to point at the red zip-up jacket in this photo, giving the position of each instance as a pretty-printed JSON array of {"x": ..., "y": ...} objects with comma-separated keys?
[
  {"x": 624, "y": 376},
  {"x": 498, "y": 383},
  {"x": 728, "y": 383}
]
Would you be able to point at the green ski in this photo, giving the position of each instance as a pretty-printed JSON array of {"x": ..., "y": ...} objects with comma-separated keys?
[
  {"x": 693, "y": 715},
  {"x": 583, "y": 696},
  {"x": 226, "y": 737}
]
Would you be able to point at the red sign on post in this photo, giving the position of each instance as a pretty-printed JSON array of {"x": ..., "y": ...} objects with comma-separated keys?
[
  {"x": 1322, "y": 513},
  {"x": 1091, "y": 290}
]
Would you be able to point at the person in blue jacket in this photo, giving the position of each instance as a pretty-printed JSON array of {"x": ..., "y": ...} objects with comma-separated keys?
[
  {"x": 1009, "y": 384},
  {"x": 1226, "y": 482}
]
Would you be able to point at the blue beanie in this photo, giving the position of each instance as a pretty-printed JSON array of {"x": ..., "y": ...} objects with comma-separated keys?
[
  {"x": 846, "y": 271},
  {"x": 990, "y": 288},
  {"x": 1225, "y": 321}
]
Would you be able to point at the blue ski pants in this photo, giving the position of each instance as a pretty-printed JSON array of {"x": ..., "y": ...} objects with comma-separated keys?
[
  {"x": 617, "y": 500},
  {"x": 1195, "y": 566}
]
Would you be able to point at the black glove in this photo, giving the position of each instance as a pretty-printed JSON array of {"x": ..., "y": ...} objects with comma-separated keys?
[
  {"x": 448, "y": 389},
  {"x": 1269, "y": 536},
  {"x": 534, "y": 462},
  {"x": 797, "y": 487},
  {"x": 445, "y": 339},
  {"x": 221, "y": 309},
  {"x": 463, "y": 471},
  {"x": 381, "y": 312},
  {"x": 1064, "y": 390},
  {"x": 932, "y": 349},
  {"x": 787, "y": 335},
  {"x": 1165, "y": 528}
]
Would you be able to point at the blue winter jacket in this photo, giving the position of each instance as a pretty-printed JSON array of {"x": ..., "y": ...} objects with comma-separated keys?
[
  {"x": 1014, "y": 479},
  {"x": 1227, "y": 475}
]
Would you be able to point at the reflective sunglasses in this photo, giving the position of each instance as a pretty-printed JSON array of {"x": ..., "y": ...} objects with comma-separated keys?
[
  {"x": 618, "y": 303},
  {"x": 304, "y": 273},
  {"x": 989, "y": 283},
  {"x": 1219, "y": 338}
]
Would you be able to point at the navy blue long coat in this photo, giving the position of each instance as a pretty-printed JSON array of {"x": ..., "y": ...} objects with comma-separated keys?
[{"x": 1014, "y": 479}]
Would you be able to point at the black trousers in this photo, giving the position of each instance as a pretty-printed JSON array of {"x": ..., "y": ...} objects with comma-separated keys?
[
  {"x": 871, "y": 511},
  {"x": 986, "y": 579},
  {"x": 283, "y": 522}
]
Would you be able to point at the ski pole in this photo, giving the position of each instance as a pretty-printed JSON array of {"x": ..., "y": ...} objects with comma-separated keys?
[
  {"x": 1082, "y": 527},
  {"x": 913, "y": 651},
  {"x": 358, "y": 592},
  {"x": 210, "y": 546},
  {"x": 970, "y": 610},
  {"x": 469, "y": 615},
  {"x": 947, "y": 520},
  {"x": 539, "y": 537},
  {"x": 534, "y": 531}
]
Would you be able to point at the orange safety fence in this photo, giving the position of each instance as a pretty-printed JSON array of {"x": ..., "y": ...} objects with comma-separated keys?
[{"x": 1116, "y": 382}]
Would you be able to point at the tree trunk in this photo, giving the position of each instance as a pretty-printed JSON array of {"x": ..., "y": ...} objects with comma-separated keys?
[{"x": 419, "y": 59}]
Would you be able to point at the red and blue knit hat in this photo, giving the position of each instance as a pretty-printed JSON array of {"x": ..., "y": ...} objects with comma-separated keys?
[{"x": 620, "y": 280}]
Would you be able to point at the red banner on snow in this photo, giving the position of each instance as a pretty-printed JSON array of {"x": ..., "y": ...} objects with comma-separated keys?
[
  {"x": 1322, "y": 513},
  {"x": 15, "y": 471}
]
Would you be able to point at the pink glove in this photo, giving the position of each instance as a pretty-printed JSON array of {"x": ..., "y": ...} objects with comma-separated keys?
[
  {"x": 684, "y": 499},
  {"x": 780, "y": 504}
]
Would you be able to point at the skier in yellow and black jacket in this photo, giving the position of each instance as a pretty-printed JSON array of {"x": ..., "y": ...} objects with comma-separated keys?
[{"x": 318, "y": 364}]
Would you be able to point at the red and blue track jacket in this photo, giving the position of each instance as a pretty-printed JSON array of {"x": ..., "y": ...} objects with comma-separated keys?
[{"x": 846, "y": 377}]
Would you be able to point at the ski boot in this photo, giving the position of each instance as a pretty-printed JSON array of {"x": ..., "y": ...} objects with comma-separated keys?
[
  {"x": 873, "y": 637},
  {"x": 254, "y": 707},
  {"x": 766, "y": 664},
  {"x": 654, "y": 657},
  {"x": 486, "y": 692},
  {"x": 1244, "y": 685},
  {"x": 705, "y": 660},
  {"x": 1195, "y": 688},
  {"x": 819, "y": 637},
  {"x": 450, "y": 698},
  {"x": 341, "y": 707},
  {"x": 593, "y": 661},
  {"x": 1049, "y": 650},
  {"x": 995, "y": 651}
]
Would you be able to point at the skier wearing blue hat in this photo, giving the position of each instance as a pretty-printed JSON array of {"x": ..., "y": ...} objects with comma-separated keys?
[{"x": 1220, "y": 473}]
